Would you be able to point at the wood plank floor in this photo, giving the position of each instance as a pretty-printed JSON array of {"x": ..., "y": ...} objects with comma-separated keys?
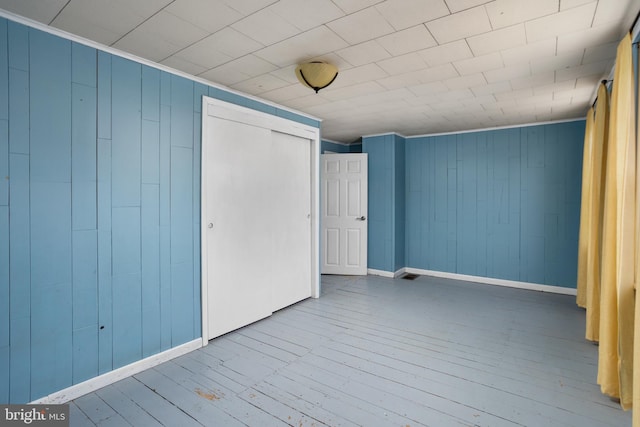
[{"x": 379, "y": 352}]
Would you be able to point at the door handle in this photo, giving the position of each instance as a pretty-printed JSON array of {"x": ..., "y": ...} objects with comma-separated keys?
[{"x": 361, "y": 218}]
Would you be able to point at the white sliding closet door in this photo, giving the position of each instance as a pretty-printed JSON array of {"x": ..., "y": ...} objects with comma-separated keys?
[
  {"x": 290, "y": 226},
  {"x": 257, "y": 226}
]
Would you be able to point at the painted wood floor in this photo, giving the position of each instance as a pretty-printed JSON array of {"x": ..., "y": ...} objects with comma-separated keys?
[{"x": 379, "y": 352}]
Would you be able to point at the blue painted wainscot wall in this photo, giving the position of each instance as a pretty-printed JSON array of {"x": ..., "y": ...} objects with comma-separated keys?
[
  {"x": 337, "y": 147},
  {"x": 502, "y": 203},
  {"x": 99, "y": 210},
  {"x": 386, "y": 240}
]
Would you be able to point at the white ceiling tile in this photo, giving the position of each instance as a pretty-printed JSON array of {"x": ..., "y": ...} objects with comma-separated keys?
[
  {"x": 307, "y": 14},
  {"x": 600, "y": 53},
  {"x": 103, "y": 21},
  {"x": 446, "y": 53},
  {"x": 151, "y": 40},
  {"x": 287, "y": 73},
  {"x": 401, "y": 80},
  {"x": 514, "y": 95},
  {"x": 239, "y": 69},
  {"x": 479, "y": 64},
  {"x": 403, "y": 63},
  {"x": 463, "y": 24},
  {"x": 210, "y": 15},
  {"x": 361, "y": 26},
  {"x": 569, "y": 93},
  {"x": 181, "y": 64},
  {"x": 524, "y": 54},
  {"x": 304, "y": 46},
  {"x": 103, "y": 32},
  {"x": 458, "y": 5},
  {"x": 568, "y": 21},
  {"x": 535, "y": 99},
  {"x": 465, "y": 81},
  {"x": 364, "y": 53},
  {"x": 541, "y": 79},
  {"x": 507, "y": 73},
  {"x": 569, "y": 4},
  {"x": 601, "y": 68},
  {"x": 492, "y": 88},
  {"x": 592, "y": 81},
  {"x": 590, "y": 37},
  {"x": 498, "y": 40},
  {"x": 266, "y": 27},
  {"x": 408, "y": 13},
  {"x": 545, "y": 64},
  {"x": 38, "y": 11},
  {"x": 504, "y": 13},
  {"x": 409, "y": 40},
  {"x": 247, "y": 7},
  {"x": 304, "y": 102},
  {"x": 441, "y": 72},
  {"x": 456, "y": 95},
  {"x": 350, "y": 6},
  {"x": 359, "y": 74},
  {"x": 384, "y": 101},
  {"x": 619, "y": 11},
  {"x": 285, "y": 93},
  {"x": 351, "y": 91},
  {"x": 429, "y": 89},
  {"x": 260, "y": 84},
  {"x": 555, "y": 87},
  {"x": 219, "y": 48}
]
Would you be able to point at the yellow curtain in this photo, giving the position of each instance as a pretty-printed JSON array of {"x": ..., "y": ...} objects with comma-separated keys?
[
  {"x": 626, "y": 216},
  {"x": 636, "y": 344},
  {"x": 616, "y": 319},
  {"x": 585, "y": 205},
  {"x": 595, "y": 213}
]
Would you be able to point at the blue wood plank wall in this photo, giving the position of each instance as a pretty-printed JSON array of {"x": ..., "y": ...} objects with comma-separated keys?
[
  {"x": 99, "y": 210},
  {"x": 386, "y": 247},
  {"x": 340, "y": 148},
  {"x": 502, "y": 203}
]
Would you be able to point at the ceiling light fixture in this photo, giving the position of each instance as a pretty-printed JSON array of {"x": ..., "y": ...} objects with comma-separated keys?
[{"x": 316, "y": 74}]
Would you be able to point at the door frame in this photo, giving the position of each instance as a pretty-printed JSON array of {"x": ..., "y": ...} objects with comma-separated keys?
[{"x": 227, "y": 111}]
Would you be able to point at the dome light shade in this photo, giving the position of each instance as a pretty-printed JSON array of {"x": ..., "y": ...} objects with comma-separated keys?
[{"x": 316, "y": 75}]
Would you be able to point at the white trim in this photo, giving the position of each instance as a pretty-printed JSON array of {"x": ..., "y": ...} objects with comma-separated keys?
[
  {"x": 498, "y": 282},
  {"x": 475, "y": 279},
  {"x": 90, "y": 43},
  {"x": 386, "y": 134},
  {"x": 88, "y": 386},
  {"x": 549, "y": 122},
  {"x": 346, "y": 144},
  {"x": 523, "y": 125},
  {"x": 389, "y": 274}
]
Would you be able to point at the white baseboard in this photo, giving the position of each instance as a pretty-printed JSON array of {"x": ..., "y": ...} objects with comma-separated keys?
[
  {"x": 77, "y": 390},
  {"x": 389, "y": 274},
  {"x": 475, "y": 279},
  {"x": 498, "y": 282}
]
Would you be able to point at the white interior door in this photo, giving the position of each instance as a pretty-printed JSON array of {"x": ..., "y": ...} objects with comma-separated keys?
[
  {"x": 344, "y": 213},
  {"x": 258, "y": 231}
]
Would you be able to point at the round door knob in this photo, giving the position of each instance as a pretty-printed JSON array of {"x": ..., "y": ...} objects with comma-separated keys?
[{"x": 210, "y": 225}]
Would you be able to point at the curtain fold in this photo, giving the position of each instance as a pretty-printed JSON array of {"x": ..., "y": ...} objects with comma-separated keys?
[
  {"x": 585, "y": 210},
  {"x": 626, "y": 216},
  {"x": 596, "y": 210},
  {"x": 616, "y": 320},
  {"x": 636, "y": 341}
]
